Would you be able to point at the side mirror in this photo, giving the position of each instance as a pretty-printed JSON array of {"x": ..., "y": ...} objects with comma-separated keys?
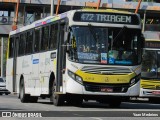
[{"x": 66, "y": 46}]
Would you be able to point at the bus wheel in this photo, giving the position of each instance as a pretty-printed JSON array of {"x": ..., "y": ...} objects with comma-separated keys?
[
  {"x": 58, "y": 99},
  {"x": 115, "y": 103},
  {"x": 33, "y": 99},
  {"x": 74, "y": 100},
  {"x": 23, "y": 97}
]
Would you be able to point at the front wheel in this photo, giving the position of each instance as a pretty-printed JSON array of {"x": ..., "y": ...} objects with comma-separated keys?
[
  {"x": 115, "y": 103},
  {"x": 74, "y": 100},
  {"x": 58, "y": 99}
]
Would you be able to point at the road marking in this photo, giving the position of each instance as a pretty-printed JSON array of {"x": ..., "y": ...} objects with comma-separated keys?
[
  {"x": 96, "y": 118},
  {"x": 77, "y": 114}
]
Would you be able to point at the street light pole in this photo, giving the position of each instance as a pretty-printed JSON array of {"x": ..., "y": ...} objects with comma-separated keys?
[
  {"x": 2, "y": 57},
  {"x": 52, "y": 7}
]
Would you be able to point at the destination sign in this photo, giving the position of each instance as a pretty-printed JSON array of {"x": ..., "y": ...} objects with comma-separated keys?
[
  {"x": 115, "y": 18},
  {"x": 152, "y": 44}
]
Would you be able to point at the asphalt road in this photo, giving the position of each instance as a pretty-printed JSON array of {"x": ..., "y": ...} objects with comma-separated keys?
[{"x": 90, "y": 110}]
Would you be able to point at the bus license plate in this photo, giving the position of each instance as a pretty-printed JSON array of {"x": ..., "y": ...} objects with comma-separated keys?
[
  {"x": 106, "y": 90},
  {"x": 156, "y": 92}
]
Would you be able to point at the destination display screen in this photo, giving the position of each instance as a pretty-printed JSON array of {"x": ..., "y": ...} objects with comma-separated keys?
[
  {"x": 152, "y": 44},
  {"x": 104, "y": 17}
]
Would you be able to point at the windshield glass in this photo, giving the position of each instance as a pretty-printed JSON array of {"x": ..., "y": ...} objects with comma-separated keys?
[
  {"x": 99, "y": 45},
  {"x": 151, "y": 64}
]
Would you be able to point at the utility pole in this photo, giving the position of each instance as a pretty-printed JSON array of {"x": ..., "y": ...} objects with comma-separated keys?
[
  {"x": 52, "y": 7},
  {"x": 14, "y": 26},
  {"x": 58, "y": 4},
  {"x": 139, "y": 3},
  {"x": 2, "y": 57}
]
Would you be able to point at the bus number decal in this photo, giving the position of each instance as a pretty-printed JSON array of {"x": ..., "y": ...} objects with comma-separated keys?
[{"x": 87, "y": 17}]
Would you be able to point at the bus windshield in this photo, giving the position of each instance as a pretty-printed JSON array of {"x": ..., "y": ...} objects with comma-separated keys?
[
  {"x": 151, "y": 64},
  {"x": 101, "y": 45}
]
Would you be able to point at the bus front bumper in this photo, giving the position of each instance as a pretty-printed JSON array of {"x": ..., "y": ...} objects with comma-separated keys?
[{"x": 74, "y": 87}]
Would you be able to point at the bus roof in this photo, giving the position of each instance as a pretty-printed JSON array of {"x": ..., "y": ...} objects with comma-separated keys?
[{"x": 61, "y": 16}]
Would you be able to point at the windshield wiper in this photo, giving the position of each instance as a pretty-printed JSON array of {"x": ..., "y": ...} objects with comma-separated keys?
[
  {"x": 92, "y": 32},
  {"x": 120, "y": 33}
]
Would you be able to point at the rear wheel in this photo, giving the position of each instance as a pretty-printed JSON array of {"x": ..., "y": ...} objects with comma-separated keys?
[
  {"x": 33, "y": 99},
  {"x": 23, "y": 97}
]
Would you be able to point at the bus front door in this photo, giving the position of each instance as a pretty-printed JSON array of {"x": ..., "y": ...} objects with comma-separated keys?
[
  {"x": 60, "y": 58},
  {"x": 15, "y": 49}
]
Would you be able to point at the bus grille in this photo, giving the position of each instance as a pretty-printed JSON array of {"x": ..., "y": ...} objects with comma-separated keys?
[
  {"x": 97, "y": 87},
  {"x": 105, "y": 70},
  {"x": 150, "y": 84}
]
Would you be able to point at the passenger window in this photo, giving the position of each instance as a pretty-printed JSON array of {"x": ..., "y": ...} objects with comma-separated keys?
[
  {"x": 53, "y": 38},
  {"x": 22, "y": 44},
  {"x": 37, "y": 40},
  {"x": 11, "y": 45},
  {"x": 29, "y": 42},
  {"x": 45, "y": 38}
]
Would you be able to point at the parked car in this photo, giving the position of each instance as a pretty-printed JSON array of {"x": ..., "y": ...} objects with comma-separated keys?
[{"x": 3, "y": 89}]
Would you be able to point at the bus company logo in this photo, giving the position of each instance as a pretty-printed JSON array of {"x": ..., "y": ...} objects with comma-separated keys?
[
  {"x": 106, "y": 79},
  {"x": 6, "y": 114}
]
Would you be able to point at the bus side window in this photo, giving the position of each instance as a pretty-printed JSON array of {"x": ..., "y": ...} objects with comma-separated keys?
[
  {"x": 29, "y": 42},
  {"x": 11, "y": 45},
  {"x": 53, "y": 38},
  {"x": 36, "y": 40},
  {"x": 22, "y": 43},
  {"x": 45, "y": 38}
]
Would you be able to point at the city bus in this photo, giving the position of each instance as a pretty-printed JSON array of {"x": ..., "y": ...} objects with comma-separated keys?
[
  {"x": 77, "y": 55},
  {"x": 150, "y": 82}
]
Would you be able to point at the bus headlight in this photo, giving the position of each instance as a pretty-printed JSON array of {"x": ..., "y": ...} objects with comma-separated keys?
[
  {"x": 75, "y": 77},
  {"x": 135, "y": 80}
]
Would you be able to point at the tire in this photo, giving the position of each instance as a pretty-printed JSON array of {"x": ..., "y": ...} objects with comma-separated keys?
[
  {"x": 74, "y": 100},
  {"x": 33, "y": 99},
  {"x": 6, "y": 93},
  {"x": 115, "y": 103},
  {"x": 58, "y": 100},
  {"x": 23, "y": 97}
]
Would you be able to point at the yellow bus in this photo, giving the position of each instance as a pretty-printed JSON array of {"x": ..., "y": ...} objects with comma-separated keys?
[
  {"x": 150, "y": 82},
  {"x": 77, "y": 55}
]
